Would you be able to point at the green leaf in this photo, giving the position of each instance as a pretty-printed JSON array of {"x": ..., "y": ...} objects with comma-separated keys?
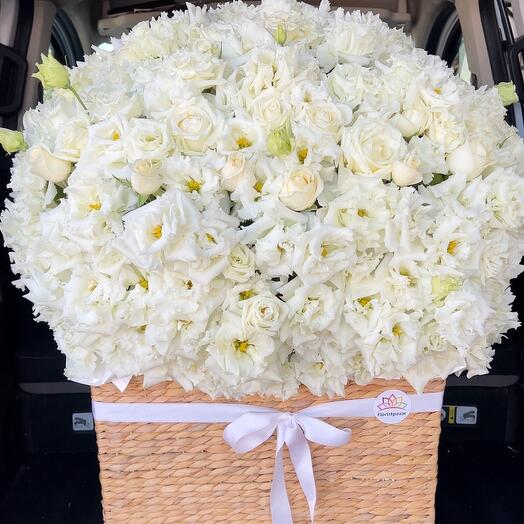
[
  {"x": 144, "y": 199},
  {"x": 60, "y": 193},
  {"x": 438, "y": 178}
]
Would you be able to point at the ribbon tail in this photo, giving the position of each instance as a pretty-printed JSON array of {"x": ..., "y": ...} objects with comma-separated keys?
[
  {"x": 300, "y": 455},
  {"x": 280, "y": 508}
]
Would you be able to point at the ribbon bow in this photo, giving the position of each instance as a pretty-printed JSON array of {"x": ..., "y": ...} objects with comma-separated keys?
[{"x": 294, "y": 430}]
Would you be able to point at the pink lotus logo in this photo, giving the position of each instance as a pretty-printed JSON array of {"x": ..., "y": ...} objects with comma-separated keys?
[{"x": 392, "y": 402}]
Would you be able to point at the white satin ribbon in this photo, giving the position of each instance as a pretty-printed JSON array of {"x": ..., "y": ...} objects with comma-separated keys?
[{"x": 250, "y": 426}]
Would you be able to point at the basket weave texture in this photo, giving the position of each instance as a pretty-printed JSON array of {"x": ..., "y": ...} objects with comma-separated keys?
[{"x": 185, "y": 473}]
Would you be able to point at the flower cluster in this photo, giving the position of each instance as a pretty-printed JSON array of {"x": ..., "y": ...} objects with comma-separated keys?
[{"x": 259, "y": 197}]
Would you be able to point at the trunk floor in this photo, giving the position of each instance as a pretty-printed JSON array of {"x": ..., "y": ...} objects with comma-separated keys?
[{"x": 480, "y": 484}]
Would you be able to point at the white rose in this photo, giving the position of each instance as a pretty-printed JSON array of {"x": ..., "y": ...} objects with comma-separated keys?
[
  {"x": 48, "y": 166},
  {"x": 237, "y": 168},
  {"x": 326, "y": 117},
  {"x": 270, "y": 109},
  {"x": 241, "y": 264},
  {"x": 147, "y": 139},
  {"x": 300, "y": 189},
  {"x": 370, "y": 147},
  {"x": 146, "y": 178},
  {"x": 468, "y": 159},
  {"x": 263, "y": 313},
  {"x": 404, "y": 174},
  {"x": 196, "y": 125}
]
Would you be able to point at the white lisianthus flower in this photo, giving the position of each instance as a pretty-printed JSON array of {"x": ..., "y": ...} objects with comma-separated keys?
[
  {"x": 362, "y": 209},
  {"x": 236, "y": 356},
  {"x": 312, "y": 309},
  {"x": 159, "y": 231},
  {"x": 241, "y": 135},
  {"x": 504, "y": 200},
  {"x": 106, "y": 142},
  {"x": 325, "y": 372},
  {"x": 275, "y": 251},
  {"x": 446, "y": 130},
  {"x": 277, "y": 14},
  {"x": 258, "y": 73},
  {"x": 349, "y": 40},
  {"x": 348, "y": 83},
  {"x": 428, "y": 158},
  {"x": 322, "y": 252},
  {"x": 72, "y": 140},
  {"x": 370, "y": 149},
  {"x": 440, "y": 90},
  {"x": 88, "y": 194},
  {"x": 198, "y": 73}
]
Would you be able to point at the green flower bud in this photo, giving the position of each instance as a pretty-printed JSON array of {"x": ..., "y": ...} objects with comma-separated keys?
[
  {"x": 507, "y": 93},
  {"x": 12, "y": 141},
  {"x": 280, "y": 141},
  {"x": 280, "y": 34},
  {"x": 442, "y": 287},
  {"x": 52, "y": 73}
]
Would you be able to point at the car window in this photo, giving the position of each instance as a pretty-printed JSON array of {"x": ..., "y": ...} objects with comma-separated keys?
[{"x": 459, "y": 63}]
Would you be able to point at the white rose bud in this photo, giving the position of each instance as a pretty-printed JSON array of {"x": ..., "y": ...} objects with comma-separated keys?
[
  {"x": 410, "y": 122},
  {"x": 237, "y": 168},
  {"x": 468, "y": 159},
  {"x": 301, "y": 189},
  {"x": 146, "y": 178},
  {"x": 405, "y": 175},
  {"x": 48, "y": 166}
]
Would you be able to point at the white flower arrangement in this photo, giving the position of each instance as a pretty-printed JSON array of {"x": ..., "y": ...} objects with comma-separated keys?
[{"x": 259, "y": 197}]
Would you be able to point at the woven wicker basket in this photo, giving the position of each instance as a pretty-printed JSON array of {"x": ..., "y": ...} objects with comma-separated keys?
[{"x": 176, "y": 473}]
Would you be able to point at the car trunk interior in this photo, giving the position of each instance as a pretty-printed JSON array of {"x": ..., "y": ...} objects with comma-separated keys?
[{"x": 48, "y": 461}]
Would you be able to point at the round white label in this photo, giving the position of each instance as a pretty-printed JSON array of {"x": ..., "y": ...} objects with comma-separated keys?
[{"x": 392, "y": 406}]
